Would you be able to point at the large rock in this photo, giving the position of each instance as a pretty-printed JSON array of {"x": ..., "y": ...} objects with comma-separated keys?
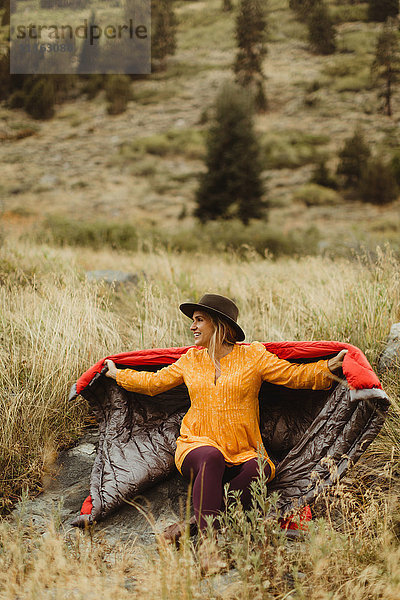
[
  {"x": 69, "y": 486},
  {"x": 116, "y": 278},
  {"x": 390, "y": 357}
]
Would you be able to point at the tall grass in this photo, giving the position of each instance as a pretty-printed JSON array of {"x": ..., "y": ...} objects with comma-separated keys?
[
  {"x": 54, "y": 325},
  {"x": 51, "y": 323}
]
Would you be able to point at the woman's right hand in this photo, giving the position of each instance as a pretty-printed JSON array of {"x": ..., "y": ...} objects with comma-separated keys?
[{"x": 112, "y": 369}]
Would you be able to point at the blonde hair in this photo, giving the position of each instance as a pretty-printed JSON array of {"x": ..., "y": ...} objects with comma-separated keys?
[{"x": 224, "y": 333}]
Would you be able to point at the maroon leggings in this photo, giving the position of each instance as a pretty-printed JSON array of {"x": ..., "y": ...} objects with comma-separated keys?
[{"x": 206, "y": 467}]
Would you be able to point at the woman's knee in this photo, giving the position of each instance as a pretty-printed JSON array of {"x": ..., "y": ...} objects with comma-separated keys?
[
  {"x": 201, "y": 459},
  {"x": 212, "y": 455},
  {"x": 252, "y": 469}
]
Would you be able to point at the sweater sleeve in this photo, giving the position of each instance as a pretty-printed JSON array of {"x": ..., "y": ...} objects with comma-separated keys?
[
  {"x": 149, "y": 383},
  {"x": 315, "y": 376}
]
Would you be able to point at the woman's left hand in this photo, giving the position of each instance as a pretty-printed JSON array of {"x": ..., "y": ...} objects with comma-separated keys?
[
  {"x": 335, "y": 363},
  {"x": 112, "y": 369}
]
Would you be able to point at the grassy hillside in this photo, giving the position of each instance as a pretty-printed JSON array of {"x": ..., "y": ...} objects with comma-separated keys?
[{"x": 142, "y": 166}]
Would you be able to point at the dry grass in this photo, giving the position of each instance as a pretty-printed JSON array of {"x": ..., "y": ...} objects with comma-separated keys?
[
  {"x": 352, "y": 553},
  {"x": 50, "y": 324},
  {"x": 53, "y": 325}
]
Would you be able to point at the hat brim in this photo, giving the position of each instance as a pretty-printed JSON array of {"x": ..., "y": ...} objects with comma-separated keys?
[{"x": 188, "y": 309}]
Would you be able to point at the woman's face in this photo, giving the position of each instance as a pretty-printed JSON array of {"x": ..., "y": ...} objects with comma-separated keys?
[{"x": 202, "y": 328}]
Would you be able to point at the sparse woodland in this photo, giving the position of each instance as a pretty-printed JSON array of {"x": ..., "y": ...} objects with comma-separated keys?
[{"x": 126, "y": 143}]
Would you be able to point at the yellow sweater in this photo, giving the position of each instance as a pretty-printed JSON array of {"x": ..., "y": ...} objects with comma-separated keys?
[{"x": 225, "y": 414}]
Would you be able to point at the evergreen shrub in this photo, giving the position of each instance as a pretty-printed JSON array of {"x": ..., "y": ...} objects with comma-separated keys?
[
  {"x": 5, "y": 79},
  {"x": 40, "y": 99},
  {"x": 62, "y": 231},
  {"x": 380, "y": 10},
  {"x": 322, "y": 177},
  {"x": 353, "y": 157},
  {"x": 313, "y": 194},
  {"x": 17, "y": 99},
  {"x": 321, "y": 31},
  {"x": 244, "y": 240},
  {"x": 378, "y": 183},
  {"x": 92, "y": 86},
  {"x": 118, "y": 93},
  {"x": 395, "y": 164}
]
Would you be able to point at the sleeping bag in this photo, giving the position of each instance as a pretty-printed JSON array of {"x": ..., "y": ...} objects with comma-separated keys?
[{"x": 313, "y": 437}]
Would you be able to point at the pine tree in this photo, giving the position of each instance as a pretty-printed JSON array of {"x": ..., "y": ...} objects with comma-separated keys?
[
  {"x": 5, "y": 78},
  {"x": 251, "y": 32},
  {"x": 134, "y": 56},
  {"x": 353, "y": 158},
  {"x": 395, "y": 164},
  {"x": 40, "y": 100},
  {"x": 231, "y": 187},
  {"x": 5, "y": 19},
  {"x": 118, "y": 93},
  {"x": 163, "y": 37},
  {"x": 321, "y": 176},
  {"x": 303, "y": 8},
  {"x": 378, "y": 183},
  {"x": 227, "y": 5},
  {"x": 321, "y": 31},
  {"x": 89, "y": 54},
  {"x": 380, "y": 10},
  {"x": 386, "y": 66}
]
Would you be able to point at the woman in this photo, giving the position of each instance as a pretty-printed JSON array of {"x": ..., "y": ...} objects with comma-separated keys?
[{"x": 220, "y": 439}]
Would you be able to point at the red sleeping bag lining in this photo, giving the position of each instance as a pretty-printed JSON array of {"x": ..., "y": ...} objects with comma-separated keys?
[{"x": 356, "y": 368}]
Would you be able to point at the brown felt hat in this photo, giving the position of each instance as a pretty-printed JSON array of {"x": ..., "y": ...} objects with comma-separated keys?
[{"x": 220, "y": 307}]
